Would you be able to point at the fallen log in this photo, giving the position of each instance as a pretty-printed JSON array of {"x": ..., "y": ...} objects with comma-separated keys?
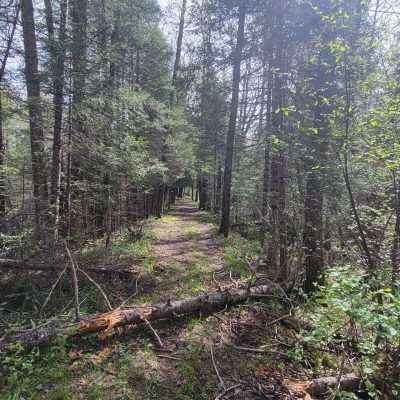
[
  {"x": 324, "y": 386},
  {"x": 7, "y": 263},
  {"x": 122, "y": 316},
  {"x": 348, "y": 383}
]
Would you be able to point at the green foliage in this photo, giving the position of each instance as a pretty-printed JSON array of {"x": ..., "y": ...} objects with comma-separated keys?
[
  {"x": 237, "y": 249},
  {"x": 122, "y": 244},
  {"x": 351, "y": 308},
  {"x": 193, "y": 387},
  {"x": 11, "y": 244},
  {"x": 141, "y": 248},
  {"x": 29, "y": 374}
]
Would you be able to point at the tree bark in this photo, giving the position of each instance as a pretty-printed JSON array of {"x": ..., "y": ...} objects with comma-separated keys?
[
  {"x": 79, "y": 50},
  {"x": 395, "y": 256},
  {"x": 323, "y": 386},
  {"x": 267, "y": 158},
  {"x": 105, "y": 323},
  {"x": 313, "y": 232},
  {"x": 39, "y": 175},
  {"x": 179, "y": 44},
  {"x": 230, "y": 141},
  {"x": 3, "y": 192},
  {"x": 321, "y": 78},
  {"x": 277, "y": 257},
  {"x": 57, "y": 54}
]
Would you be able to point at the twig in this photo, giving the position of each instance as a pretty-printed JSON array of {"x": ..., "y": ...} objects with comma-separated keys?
[
  {"x": 132, "y": 295},
  {"x": 53, "y": 288},
  {"x": 216, "y": 282},
  {"x": 253, "y": 350},
  {"x": 154, "y": 332},
  {"x": 232, "y": 280},
  {"x": 277, "y": 320},
  {"x": 97, "y": 286},
  {"x": 227, "y": 390},
  {"x": 168, "y": 357},
  {"x": 221, "y": 381},
  {"x": 74, "y": 279}
]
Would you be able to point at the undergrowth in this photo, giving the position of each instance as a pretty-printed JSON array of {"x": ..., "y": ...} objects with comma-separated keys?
[
  {"x": 237, "y": 249},
  {"x": 27, "y": 375},
  {"x": 350, "y": 314},
  {"x": 122, "y": 244}
]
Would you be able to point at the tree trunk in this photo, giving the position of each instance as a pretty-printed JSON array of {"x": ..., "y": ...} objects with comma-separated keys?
[
  {"x": 57, "y": 53},
  {"x": 39, "y": 175},
  {"x": 179, "y": 44},
  {"x": 105, "y": 323},
  {"x": 313, "y": 232},
  {"x": 3, "y": 191},
  {"x": 277, "y": 190},
  {"x": 324, "y": 386},
  {"x": 395, "y": 256},
  {"x": 203, "y": 193},
  {"x": 226, "y": 192},
  {"x": 79, "y": 49},
  {"x": 321, "y": 76},
  {"x": 267, "y": 159}
]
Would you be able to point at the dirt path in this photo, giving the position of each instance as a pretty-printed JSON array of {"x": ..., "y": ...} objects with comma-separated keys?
[
  {"x": 187, "y": 251},
  {"x": 185, "y": 236}
]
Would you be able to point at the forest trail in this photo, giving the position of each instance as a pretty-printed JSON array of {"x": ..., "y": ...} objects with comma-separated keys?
[
  {"x": 188, "y": 257},
  {"x": 187, "y": 250},
  {"x": 239, "y": 351}
]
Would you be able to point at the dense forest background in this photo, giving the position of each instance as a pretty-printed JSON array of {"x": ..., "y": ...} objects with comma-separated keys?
[{"x": 280, "y": 118}]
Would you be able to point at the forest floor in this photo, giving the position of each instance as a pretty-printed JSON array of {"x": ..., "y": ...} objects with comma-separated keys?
[{"x": 243, "y": 352}]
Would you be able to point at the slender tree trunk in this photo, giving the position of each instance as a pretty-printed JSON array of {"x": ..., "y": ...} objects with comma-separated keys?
[
  {"x": 3, "y": 191},
  {"x": 35, "y": 119},
  {"x": 57, "y": 53},
  {"x": 277, "y": 188},
  {"x": 79, "y": 49},
  {"x": 396, "y": 238},
  {"x": 226, "y": 194},
  {"x": 78, "y": 9},
  {"x": 321, "y": 77},
  {"x": 313, "y": 232},
  {"x": 179, "y": 44},
  {"x": 267, "y": 159}
]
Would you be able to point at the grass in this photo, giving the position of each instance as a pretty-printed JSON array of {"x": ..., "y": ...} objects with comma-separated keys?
[
  {"x": 169, "y": 219},
  {"x": 140, "y": 248},
  {"x": 30, "y": 374},
  {"x": 194, "y": 385},
  {"x": 193, "y": 231},
  {"x": 122, "y": 244},
  {"x": 237, "y": 249}
]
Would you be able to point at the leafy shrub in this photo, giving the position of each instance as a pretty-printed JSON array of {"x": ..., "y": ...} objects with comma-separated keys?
[{"x": 350, "y": 311}]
